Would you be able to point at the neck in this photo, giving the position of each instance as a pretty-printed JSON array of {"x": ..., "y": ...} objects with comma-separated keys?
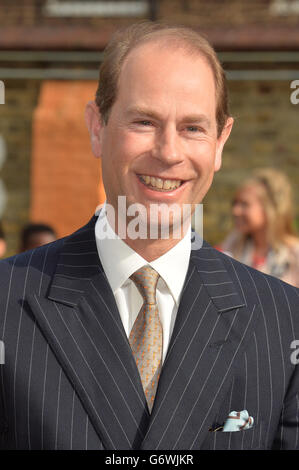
[
  {"x": 151, "y": 249},
  {"x": 147, "y": 247},
  {"x": 260, "y": 242}
]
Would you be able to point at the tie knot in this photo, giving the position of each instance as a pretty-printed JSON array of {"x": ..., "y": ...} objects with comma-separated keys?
[{"x": 146, "y": 280}]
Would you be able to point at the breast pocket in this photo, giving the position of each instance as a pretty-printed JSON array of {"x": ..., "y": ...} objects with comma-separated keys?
[{"x": 250, "y": 439}]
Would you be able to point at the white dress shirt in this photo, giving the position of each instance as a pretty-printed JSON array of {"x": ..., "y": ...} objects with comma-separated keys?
[{"x": 119, "y": 262}]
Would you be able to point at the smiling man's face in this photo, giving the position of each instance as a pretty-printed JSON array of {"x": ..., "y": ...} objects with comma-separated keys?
[{"x": 160, "y": 143}]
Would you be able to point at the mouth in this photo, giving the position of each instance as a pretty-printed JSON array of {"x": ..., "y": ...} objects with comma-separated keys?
[{"x": 161, "y": 184}]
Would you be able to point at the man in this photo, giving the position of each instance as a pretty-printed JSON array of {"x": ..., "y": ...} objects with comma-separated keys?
[
  {"x": 120, "y": 342},
  {"x": 34, "y": 235}
]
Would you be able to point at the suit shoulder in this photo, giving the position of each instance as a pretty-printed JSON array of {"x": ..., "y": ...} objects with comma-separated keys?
[
  {"x": 233, "y": 264},
  {"x": 271, "y": 293},
  {"x": 258, "y": 276}
]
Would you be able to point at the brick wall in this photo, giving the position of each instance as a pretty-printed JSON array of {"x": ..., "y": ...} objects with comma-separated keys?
[
  {"x": 199, "y": 12},
  {"x": 265, "y": 133},
  {"x": 16, "y": 128},
  {"x": 229, "y": 24},
  {"x": 65, "y": 176}
]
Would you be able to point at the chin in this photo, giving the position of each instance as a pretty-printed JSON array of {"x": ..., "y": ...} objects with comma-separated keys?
[{"x": 242, "y": 229}]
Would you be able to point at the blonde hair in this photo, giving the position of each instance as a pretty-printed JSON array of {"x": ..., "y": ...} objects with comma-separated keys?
[
  {"x": 124, "y": 41},
  {"x": 275, "y": 194}
]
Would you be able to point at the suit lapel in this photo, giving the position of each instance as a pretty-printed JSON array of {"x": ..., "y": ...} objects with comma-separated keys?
[
  {"x": 81, "y": 321},
  {"x": 212, "y": 327}
]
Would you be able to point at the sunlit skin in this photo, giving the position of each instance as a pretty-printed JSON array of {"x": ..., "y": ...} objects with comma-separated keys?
[
  {"x": 2, "y": 247},
  {"x": 162, "y": 124},
  {"x": 250, "y": 218}
]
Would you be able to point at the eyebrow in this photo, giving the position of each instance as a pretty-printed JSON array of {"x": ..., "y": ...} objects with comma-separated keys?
[{"x": 192, "y": 118}]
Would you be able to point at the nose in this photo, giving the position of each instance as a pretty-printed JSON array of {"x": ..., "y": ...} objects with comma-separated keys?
[{"x": 167, "y": 147}]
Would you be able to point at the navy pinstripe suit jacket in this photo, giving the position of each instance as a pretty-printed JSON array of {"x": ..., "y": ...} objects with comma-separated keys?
[{"x": 70, "y": 380}]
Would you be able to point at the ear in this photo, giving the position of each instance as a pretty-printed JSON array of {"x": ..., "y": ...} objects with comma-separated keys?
[
  {"x": 94, "y": 125},
  {"x": 2, "y": 247},
  {"x": 221, "y": 141}
]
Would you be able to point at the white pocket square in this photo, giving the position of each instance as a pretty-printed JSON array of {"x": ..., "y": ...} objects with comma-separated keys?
[{"x": 238, "y": 421}]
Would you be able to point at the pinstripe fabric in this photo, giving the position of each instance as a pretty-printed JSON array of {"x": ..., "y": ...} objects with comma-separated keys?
[{"x": 70, "y": 380}]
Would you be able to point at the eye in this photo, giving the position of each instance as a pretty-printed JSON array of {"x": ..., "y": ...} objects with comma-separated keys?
[
  {"x": 144, "y": 123},
  {"x": 194, "y": 129}
]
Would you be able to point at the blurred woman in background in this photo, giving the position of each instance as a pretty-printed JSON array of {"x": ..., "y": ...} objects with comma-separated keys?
[{"x": 264, "y": 236}]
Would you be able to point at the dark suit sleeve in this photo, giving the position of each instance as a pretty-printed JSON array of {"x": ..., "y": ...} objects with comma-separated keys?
[{"x": 287, "y": 435}]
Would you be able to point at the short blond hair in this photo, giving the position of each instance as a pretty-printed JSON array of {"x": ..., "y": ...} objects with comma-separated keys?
[{"x": 124, "y": 41}]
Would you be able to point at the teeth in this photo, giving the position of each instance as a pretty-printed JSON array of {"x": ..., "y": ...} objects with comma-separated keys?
[{"x": 159, "y": 183}]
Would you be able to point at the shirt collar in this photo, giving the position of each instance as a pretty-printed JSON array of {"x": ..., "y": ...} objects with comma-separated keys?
[{"x": 172, "y": 265}]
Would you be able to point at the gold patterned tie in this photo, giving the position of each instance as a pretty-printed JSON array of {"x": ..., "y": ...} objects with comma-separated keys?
[{"x": 146, "y": 335}]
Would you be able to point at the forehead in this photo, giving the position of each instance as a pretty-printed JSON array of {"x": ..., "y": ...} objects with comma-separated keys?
[
  {"x": 41, "y": 234},
  {"x": 156, "y": 68},
  {"x": 250, "y": 191}
]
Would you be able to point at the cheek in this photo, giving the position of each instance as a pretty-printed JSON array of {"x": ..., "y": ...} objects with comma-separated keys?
[
  {"x": 256, "y": 216},
  {"x": 261, "y": 216},
  {"x": 138, "y": 145},
  {"x": 113, "y": 159},
  {"x": 131, "y": 147},
  {"x": 203, "y": 157}
]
